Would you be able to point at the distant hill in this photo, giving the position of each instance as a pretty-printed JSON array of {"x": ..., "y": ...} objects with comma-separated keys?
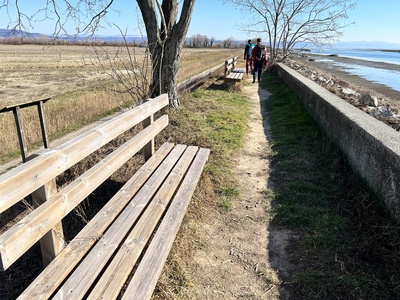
[
  {"x": 7, "y": 33},
  {"x": 106, "y": 39}
]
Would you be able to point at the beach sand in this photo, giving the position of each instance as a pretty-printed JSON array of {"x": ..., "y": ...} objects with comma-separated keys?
[{"x": 389, "y": 96}]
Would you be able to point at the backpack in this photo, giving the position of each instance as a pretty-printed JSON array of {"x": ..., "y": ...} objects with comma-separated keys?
[
  {"x": 249, "y": 48},
  {"x": 260, "y": 54}
]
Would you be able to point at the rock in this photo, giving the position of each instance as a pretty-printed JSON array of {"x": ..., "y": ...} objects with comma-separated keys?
[
  {"x": 322, "y": 80},
  {"x": 393, "y": 120},
  {"x": 386, "y": 113},
  {"x": 369, "y": 100},
  {"x": 396, "y": 127},
  {"x": 348, "y": 91}
]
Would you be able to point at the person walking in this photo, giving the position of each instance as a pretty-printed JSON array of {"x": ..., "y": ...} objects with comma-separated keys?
[
  {"x": 258, "y": 56},
  {"x": 247, "y": 56}
]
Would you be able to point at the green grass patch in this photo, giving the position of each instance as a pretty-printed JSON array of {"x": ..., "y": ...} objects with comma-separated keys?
[
  {"x": 346, "y": 247},
  {"x": 213, "y": 117}
]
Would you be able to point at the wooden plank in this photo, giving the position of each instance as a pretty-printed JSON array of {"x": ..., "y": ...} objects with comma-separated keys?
[
  {"x": 146, "y": 275},
  {"x": 235, "y": 76},
  {"x": 80, "y": 281},
  {"x": 53, "y": 241},
  {"x": 229, "y": 61},
  {"x": 24, "y": 179},
  {"x": 117, "y": 272},
  {"x": 239, "y": 70},
  {"x": 50, "y": 279},
  {"x": 15, "y": 241},
  {"x": 23, "y": 105}
]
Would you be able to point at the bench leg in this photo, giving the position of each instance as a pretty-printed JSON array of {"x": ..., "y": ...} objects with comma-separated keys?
[
  {"x": 53, "y": 242},
  {"x": 149, "y": 148}
]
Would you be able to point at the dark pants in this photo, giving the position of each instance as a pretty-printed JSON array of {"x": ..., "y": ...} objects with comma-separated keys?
[
  {"x": 249, "y": 65},
  {"x": 258, "y": 66}
]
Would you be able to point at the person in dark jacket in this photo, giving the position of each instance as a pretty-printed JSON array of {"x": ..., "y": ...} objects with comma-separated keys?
[
  {"x": 247, "y": 56},
  {"x": 258, "y": 56}
]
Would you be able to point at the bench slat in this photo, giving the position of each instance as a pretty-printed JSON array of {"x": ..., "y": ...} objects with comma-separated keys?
[
  {"x": 114, "y": 278},
  {"x": 24, "y": 179},
  {"x": 235, "y": 76},
  {"x": 239, "y": 70},
  {"x": 83, "y": 277},
  {"x": 49, "y": 280},
  {"x": 15, "y": 241},
  {"x": 146, "y": 276}
]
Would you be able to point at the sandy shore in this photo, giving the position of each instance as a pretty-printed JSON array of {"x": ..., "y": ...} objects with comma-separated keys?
[{"x": 389, "y": 95}]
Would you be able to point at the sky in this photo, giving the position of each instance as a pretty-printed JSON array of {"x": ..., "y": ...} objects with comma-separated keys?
[{"x": 374, "y": 20}]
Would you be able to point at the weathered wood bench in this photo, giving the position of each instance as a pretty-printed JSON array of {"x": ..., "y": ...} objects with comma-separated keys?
[
  {"x": 123, "y": 248},
  {"x": 233, "y": 74}
]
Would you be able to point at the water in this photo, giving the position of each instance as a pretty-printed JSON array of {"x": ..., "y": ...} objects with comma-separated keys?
[
  {"x": 390, "y": 78},
  {"x": 365, "y": 54}
]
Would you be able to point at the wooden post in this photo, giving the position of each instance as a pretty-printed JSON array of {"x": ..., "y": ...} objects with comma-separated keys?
[
  {"x": 42, "y": 124},
  {"x": 53, "y": 242},
  {"x": 149, "y": 148},
  {"x": 20, "y": 132}
]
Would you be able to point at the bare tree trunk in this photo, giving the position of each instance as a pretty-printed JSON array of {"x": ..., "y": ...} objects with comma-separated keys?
[
  {"x": 165, "y": 43},
  {"x": 165, "y": 64}
]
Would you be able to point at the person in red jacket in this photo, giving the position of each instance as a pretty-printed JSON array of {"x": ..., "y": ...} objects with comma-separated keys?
[{"x": 259, "y": 56}]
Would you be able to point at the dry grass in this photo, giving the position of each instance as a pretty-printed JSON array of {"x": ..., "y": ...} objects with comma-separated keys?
[
  {"x": 201, "y": 112},
  {"x": 75, "y": 77}
]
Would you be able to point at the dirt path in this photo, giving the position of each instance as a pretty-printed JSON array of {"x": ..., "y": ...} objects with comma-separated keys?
[{"x": 235, "y": 264}]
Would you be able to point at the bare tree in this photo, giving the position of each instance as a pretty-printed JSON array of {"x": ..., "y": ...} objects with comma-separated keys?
[
  {"x": 228, "y": 42},
  {"x": 212, "y": 41},
  {"x": 165, "y": 31},
  {"x": 289, "y": 23},
  {"x": 200, "y": 41},
  {"x": 166, "y": 42}
]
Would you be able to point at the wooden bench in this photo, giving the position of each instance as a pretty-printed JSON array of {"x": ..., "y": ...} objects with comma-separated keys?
[
  {"x": 122, "y": 249},
  {"x": 233, "y": 74}
]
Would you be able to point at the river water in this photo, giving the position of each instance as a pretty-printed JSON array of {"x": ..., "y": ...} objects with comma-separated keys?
[{"x": 382, "y": 75}]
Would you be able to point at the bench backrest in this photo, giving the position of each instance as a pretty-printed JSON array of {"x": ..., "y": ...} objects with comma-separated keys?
[
  {"x": 37, "y": 178},
  {"x": 230, "y": 64}
]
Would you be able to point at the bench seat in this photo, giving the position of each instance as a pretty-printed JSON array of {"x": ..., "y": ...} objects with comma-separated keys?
[
  {"x": 98, "y": 261},
  {"x": 235, "y": 76}
]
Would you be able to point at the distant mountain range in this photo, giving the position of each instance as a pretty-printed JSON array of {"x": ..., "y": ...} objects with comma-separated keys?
[{"x": 6, "y": 33}]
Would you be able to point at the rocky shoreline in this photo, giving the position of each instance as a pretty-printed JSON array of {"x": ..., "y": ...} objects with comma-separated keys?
[{"x": 378, "y": 100}]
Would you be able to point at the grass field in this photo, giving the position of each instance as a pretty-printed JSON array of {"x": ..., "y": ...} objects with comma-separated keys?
[
  {"x": 211, "y": 116},
  {"x": 78, "y": 80}
]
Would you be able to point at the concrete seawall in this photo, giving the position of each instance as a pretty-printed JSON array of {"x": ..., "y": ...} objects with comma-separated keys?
[{"x": 372, "y": 148}]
